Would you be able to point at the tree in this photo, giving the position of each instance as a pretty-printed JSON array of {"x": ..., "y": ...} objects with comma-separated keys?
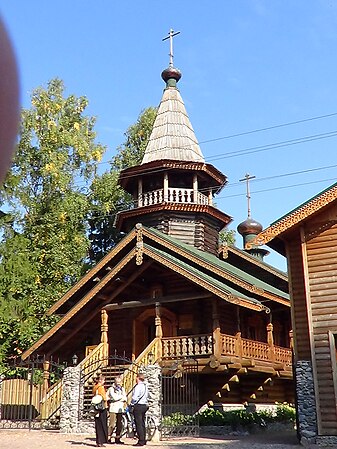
[
  {"x": 45, "y": 241},
  {"x": 131, "y": 152},
  {"x": 107, "y": 198}
]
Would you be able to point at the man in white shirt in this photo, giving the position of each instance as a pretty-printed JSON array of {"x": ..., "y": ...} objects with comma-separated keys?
[{"x": 139, "y": 403}]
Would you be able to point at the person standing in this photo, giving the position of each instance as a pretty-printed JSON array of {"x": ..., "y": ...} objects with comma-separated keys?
[
  {"x": 117, "y": 398},
  {"x": 101, "y": 418},
  {"x": 139, "y": 403}
]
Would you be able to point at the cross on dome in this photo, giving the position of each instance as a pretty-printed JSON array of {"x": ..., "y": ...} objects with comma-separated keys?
[{"x": 170, "y": 36}]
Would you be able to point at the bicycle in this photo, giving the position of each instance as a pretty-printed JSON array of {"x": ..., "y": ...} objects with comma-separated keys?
[{"x": 129, "y": 427}]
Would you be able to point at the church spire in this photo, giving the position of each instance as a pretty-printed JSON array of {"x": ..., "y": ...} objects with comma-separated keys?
[{"x": 172, "y": 136}]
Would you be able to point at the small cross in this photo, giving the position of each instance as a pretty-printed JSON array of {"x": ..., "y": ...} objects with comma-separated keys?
[
  {"x": 247, "y": 178},
  {"x": 171, "y": 36}
]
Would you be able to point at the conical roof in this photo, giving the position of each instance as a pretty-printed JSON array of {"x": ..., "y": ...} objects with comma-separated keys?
[{"x": 172, "y": 136}]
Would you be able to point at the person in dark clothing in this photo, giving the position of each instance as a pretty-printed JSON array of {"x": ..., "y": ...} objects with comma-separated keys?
[
  {"x": 101, "y": 417},
  {"x": 139, "y": 403}
]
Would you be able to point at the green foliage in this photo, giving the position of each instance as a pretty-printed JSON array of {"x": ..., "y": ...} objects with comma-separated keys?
[
  {"x": 227, "y": 236},
  {"x": 242, "y": 418},
  {"x": 44, "y": 233},
  {"x": 106, "y": 196},
  {"x": 178, "y": 419},
  {"x": 131, "y": 152}
]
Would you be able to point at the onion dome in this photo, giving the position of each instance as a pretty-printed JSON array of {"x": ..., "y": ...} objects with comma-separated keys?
[
  {"x": 171, "y": 76},
  {"x": 249, "y": 227}
]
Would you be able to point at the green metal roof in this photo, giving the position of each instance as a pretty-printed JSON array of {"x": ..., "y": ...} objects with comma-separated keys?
[
  {"x": 203, "y": 276},
  {"x": 221, "y": 264}
]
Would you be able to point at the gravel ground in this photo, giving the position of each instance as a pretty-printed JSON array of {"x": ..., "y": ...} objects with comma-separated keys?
[{"x": 37, "y": 439}]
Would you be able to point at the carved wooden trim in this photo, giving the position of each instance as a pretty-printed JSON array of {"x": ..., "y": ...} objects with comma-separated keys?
[
  {"x": 81, "y": 303},
  {"x": 295, "y": 217},
  {"x": 91, "y": 273}
]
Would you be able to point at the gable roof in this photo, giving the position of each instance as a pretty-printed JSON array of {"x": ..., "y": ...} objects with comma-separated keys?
[
  {"x": 135, "y": 253},
  {"x": 272, "y": 236}
]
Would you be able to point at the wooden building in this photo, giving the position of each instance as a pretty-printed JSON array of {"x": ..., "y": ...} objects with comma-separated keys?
[
  {"x": 168, "y": 292},
  {"x": 307, "y": 236}
]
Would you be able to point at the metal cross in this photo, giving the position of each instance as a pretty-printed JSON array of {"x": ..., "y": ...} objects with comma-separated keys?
[
  {"x": 247, "y": 178},
  {"x": 171, "y": 36}
]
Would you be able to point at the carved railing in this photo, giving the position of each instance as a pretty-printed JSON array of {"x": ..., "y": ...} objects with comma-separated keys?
[
  {"x": 193, "y": 345},
  {"x": 51, "y": 402},
  {"x": 234, "y": 345},
  {"x": 95, "y": 360},
  {"x": 174, "y": 195},
  {"x": 149, "y": 356}
]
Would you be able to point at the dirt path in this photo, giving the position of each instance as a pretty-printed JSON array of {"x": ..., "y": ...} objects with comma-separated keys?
[{"x": 37, "y": 439}]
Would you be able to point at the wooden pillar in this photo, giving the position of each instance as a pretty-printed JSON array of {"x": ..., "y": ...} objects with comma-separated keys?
[
  {"x": 140, "y": 192},
  {"x": 270, "y": 341},
  {"x": 104, "y": 334},
  {"x": 291, "y": 339},
  {"x": 238, "y": 344},
  {"x": 210, "y": 198},
  {"x": 195, "y": 188},
  {"x": 159, "y": 330},
  {"x": 166, "y": 187},
  {"x": 46, "y": 376},
  {"x": 216, "y": 329}
]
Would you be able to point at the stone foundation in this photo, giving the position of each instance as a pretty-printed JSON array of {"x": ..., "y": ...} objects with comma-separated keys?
[{"x": 306, "y": 405}]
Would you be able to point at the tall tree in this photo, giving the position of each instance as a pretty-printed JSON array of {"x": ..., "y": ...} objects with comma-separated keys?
[
  {"x": 107, "y": 198},
  {"x": 45, "y": 241}
]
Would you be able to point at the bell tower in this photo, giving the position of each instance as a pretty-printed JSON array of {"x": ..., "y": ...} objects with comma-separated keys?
[{"x": 173, "y": 187}]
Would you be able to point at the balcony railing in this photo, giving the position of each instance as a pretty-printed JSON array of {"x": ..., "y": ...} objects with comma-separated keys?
[
  {"x": 174, "y": 195},
  {"x": 231, "y": 345}
]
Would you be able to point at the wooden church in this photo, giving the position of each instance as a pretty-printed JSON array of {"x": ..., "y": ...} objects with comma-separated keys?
[
  {"x": 168, "y": 292},
  {"x": 307, "y": 236}
]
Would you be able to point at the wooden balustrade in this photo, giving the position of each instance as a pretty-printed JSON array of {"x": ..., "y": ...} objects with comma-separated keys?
[
  {"x": 175, "y": 195},
  {"x": 51, "y": 402},
  {"x": 149, "y": 356},
  {"x": 193, "y": 345},
  {"x": 243, "y": 347}
]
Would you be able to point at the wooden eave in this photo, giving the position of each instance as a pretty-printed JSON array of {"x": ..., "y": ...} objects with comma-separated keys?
[
  {"x": 93, "y": 272},
  {"x": 273, "y": 236},
  {"x": 212, "y": 268},
  {"x": 177, "y": 207},
  {"x": 79, "y": 305},
  {"x": 128, "y": 177},
  {"x": 252, "y": 260}
]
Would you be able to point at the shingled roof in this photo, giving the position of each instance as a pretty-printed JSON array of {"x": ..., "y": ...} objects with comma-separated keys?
[{"x": 172, "y": 136}]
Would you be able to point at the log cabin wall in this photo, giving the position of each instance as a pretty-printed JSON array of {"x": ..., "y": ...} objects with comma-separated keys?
[
  {"x": 321, "y": 249},
  {"x": 298, "y": 299}
]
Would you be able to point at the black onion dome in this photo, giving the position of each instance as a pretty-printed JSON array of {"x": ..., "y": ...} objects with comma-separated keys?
[
  {"x": 171, "y": 72},
  {"x": 249, "y": 226}
]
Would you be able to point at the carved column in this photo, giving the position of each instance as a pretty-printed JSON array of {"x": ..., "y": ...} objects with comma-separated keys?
[
  {"x": 140, "y": 192},
  {"x": 210, "y": 198},
  {"x": 195, "y": 188},
  {"x": 46, "y": 375},
  {"x": 291, "y": 339},
  {"x": 270, "y": 341},
  {"x": 238, "y": 350},
  {"x": 216, "y": 329},
  {"x": 166, "y": 186},
  {"x": 159, "y": 330},
  {"x": 104, "y": 334}
]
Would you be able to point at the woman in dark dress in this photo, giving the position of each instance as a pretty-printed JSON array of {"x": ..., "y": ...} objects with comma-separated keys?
[{"x": 101, "y": 418}]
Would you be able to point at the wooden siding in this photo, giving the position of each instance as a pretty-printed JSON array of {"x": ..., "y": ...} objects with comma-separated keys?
[
  {"x": 298, "y": 298},
  {"x": 322, "y": 270}
]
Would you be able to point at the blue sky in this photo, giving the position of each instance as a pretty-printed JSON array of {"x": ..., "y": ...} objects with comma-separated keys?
[{"x": 247, "y": 65}]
